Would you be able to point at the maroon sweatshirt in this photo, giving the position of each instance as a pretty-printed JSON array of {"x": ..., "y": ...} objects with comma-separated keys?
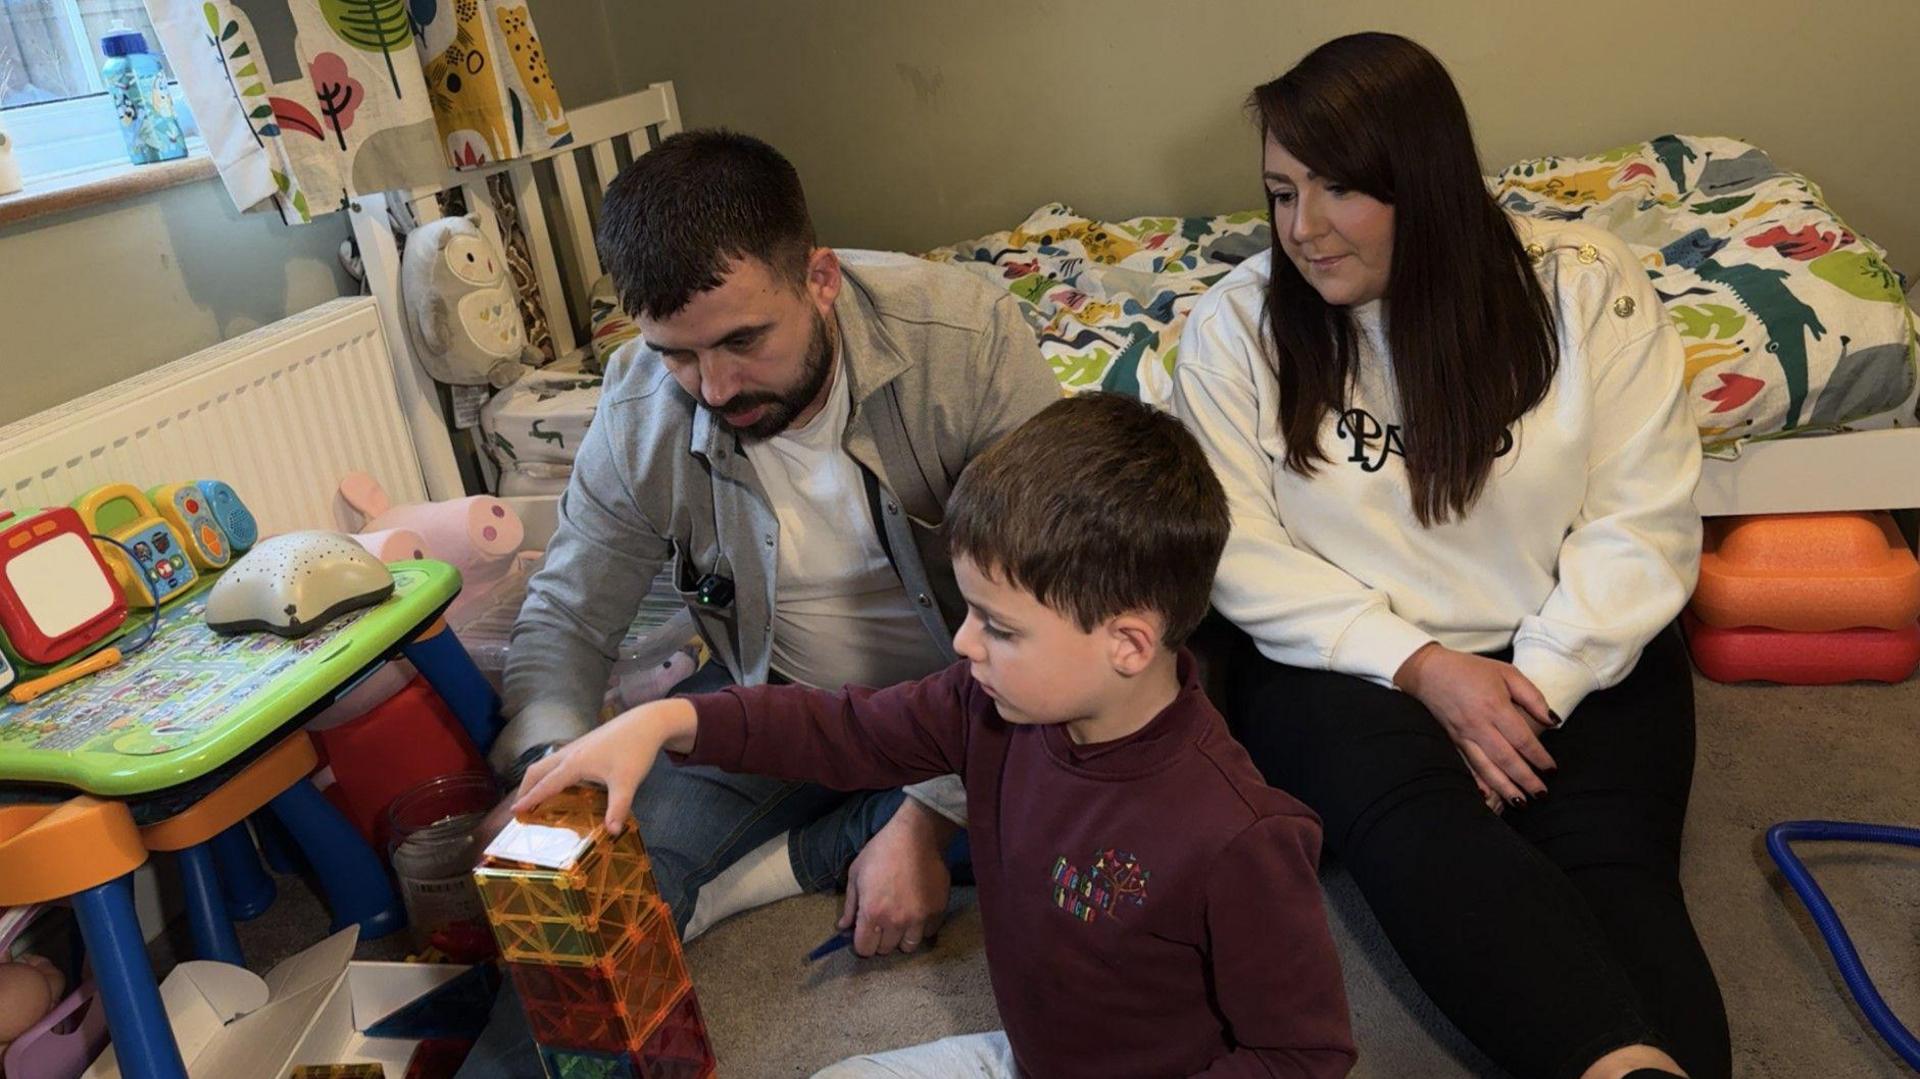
[{"x": 1151, "y": 907}]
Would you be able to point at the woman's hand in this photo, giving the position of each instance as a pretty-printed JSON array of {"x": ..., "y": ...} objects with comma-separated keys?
[
  {"x": 618, "y": 754},
  {"x": 1493, "y": 713},
  {"x": 1494, "y": 801}
]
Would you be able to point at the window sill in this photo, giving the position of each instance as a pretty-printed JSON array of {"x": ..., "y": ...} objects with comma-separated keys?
[{"x": 113, "y": 182}]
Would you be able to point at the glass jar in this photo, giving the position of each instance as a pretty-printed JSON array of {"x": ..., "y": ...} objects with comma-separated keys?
[{"x": 432, "y": 845}]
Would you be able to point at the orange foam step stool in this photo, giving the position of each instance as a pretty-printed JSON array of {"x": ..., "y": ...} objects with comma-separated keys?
[
  {"x": 1807, "y": 572},
  {"x": 1755, "y": 654}
]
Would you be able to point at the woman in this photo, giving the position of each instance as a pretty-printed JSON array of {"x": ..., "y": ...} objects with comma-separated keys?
[{"x": 1461, "y": 472}]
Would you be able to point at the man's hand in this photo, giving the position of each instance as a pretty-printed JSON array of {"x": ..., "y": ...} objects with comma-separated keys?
[{"x": 897, "y": 887}]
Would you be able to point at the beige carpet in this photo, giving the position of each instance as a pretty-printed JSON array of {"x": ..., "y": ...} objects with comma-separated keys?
[{"x": 1766, "y": 754}]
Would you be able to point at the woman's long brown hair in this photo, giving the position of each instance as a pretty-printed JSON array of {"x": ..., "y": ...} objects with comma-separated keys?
[{"x": 1470, "y": 330}]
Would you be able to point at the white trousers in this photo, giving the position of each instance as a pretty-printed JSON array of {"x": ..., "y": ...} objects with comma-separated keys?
[{"x": 967, "y": 1056}]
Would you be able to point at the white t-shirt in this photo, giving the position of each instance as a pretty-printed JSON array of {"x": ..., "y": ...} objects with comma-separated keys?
[
  {"x": 840, "y": 613},
  {"x": 1582, "y": 546}
]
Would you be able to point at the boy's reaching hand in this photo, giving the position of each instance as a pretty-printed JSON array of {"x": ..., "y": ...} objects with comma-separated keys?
[{"x": 617, "y": 755}]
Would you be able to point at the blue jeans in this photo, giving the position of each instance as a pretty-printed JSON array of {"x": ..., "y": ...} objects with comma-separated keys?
[{"x": 697, "y": 821}]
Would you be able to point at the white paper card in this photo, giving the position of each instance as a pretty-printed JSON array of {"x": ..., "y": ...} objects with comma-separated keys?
[{"x": 538, "y": 844}]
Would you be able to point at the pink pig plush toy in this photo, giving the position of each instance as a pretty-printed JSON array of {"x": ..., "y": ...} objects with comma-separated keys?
[
  {"x": 393, "y": 544},
  {"x": 479, "y": 533}
]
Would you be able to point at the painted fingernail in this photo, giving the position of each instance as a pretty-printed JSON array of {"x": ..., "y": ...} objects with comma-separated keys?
[{"x": 1517, "y": 800}]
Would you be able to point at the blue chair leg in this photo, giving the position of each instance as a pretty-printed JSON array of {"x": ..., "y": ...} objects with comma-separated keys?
[
  {"x": 353, "y": 877},
  {"x": 142, "y": 1037},
  {"x": 444, "y": 662},
  {"x": 248, "y": 889},
  {"x": 275, "y": 844},
  {"x": 207, "y": 919}
]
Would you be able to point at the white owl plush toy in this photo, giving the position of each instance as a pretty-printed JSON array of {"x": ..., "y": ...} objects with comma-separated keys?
[{"x": 461, "y": 308}]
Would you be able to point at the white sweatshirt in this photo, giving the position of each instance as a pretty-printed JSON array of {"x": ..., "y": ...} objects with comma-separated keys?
[{"x": 1581, "y": 547}]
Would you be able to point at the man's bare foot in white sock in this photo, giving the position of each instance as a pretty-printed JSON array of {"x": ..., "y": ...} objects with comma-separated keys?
[{"x": 763, "y": 876}]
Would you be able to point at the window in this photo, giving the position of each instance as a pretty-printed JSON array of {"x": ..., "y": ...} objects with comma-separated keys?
[{"x": 52, "y": 100}]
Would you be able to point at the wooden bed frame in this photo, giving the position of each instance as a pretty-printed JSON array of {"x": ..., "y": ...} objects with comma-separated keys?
[{"x": 558, "y": 193}]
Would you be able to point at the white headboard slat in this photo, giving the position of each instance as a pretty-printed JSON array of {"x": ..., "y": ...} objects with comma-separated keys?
[
  {"x": 605, "y": 165},
  {"x": 546, "y": 268},
  {"x": 579, "y": 224}
]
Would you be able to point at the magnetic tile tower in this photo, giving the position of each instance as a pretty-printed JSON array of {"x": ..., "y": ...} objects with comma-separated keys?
[
  {"x": 1806, "y": 599},
  {"x": 593, "y": 951}
]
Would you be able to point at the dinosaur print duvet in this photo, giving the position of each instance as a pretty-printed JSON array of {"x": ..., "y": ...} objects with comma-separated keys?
[{"x": 1793, "y": 323}]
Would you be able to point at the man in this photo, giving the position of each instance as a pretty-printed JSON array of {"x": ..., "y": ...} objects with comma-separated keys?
[{"x": 784, "y": 435}]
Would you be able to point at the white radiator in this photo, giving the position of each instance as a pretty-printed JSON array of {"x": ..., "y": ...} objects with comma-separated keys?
[{"x": 281, "y": 414}]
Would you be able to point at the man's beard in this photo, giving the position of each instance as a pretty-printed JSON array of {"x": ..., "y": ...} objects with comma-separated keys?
[{"x": 783, "y": 407}]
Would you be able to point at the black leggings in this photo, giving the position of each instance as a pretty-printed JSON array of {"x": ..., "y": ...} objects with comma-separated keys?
[{"x": 1551, "y": 934}]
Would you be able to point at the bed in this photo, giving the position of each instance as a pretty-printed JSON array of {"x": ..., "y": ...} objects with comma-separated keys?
[{"x": 1801, "y": 345}]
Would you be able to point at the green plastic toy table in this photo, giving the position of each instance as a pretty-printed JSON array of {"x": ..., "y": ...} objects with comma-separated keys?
[
  {"x": 193, "y": 701},
  {"x": 175, "y": 728}
]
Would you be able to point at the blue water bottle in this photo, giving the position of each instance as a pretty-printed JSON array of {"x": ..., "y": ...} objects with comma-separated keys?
[{"x": 133, "y": 77}]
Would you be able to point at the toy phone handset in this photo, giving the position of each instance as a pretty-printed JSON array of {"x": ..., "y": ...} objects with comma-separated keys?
[
  {"x": 159, "y": 570},
  {"x": 57, "y": 596},
  {"x": 236, "y": 520},
  {"x": 187, "y": 510}
]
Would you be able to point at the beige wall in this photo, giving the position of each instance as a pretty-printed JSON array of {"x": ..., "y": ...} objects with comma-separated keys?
[
  {"x": 917, "y": 123},
  {"x": 95, "y": 296}
]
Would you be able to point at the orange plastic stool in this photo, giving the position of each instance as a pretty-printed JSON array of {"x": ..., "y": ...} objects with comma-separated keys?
[
  {"x": 86, "y": 850},
  {"x": 190, "y": 835},
  {"x": 349, "y": 872},
  {"x": 252, "y": 788},
  {"x": 50, "y": 852},
  {"x": 1807, "y": 572}
]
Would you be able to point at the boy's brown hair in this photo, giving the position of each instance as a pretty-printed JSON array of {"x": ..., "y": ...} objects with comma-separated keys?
[{"x": 1097, "y": 506}]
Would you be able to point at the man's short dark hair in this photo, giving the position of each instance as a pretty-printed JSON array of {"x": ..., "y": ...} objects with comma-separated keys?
[
  {"x": 674, "y": 220},
  {"x": 1098, "y": 506}
]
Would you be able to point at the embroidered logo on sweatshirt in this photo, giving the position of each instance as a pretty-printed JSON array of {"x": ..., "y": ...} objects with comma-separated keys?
[
  {"x": 1361, "y": 428},
  {"x": 1116, "y": 878}
]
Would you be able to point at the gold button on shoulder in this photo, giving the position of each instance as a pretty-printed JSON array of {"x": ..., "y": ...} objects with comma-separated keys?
[
  {"x": 1588, "y": 253},
  {"x": 1623, "y": 307},
  {"x": 1536, "y": 251}
]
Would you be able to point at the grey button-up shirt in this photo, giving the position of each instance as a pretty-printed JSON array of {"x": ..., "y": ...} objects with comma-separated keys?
[{"x": 938, "y": 363}]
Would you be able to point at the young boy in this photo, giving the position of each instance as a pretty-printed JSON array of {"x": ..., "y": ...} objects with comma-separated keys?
[{"x": 1150, "y": 906}]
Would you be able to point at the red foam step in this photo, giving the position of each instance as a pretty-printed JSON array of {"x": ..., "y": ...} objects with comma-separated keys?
[{"x": 1753, "y": 654}]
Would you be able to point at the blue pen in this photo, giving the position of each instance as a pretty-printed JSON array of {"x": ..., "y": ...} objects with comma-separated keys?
[
  {"x": 839, "y": 940},
  {"x": 832, "y": 944}
]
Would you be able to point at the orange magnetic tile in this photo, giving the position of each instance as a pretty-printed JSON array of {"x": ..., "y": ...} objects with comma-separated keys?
[
  {"x": 574, "y": 914},
  {"x": 613, "y": 1003}
]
